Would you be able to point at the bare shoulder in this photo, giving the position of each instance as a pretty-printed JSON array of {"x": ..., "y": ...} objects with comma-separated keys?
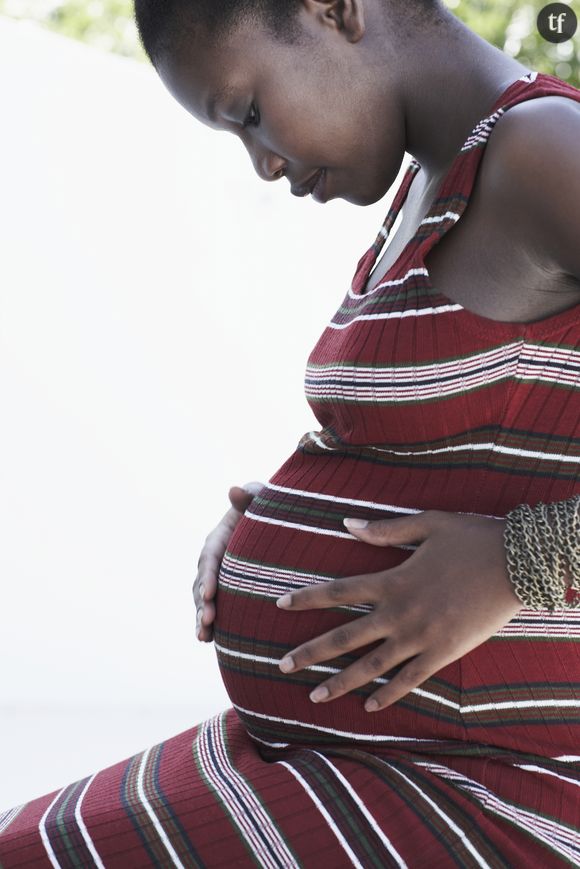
[{"x": 532, "y": 177}]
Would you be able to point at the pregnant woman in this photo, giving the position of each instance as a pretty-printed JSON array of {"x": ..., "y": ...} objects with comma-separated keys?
[{"x": 447, "y": 388}]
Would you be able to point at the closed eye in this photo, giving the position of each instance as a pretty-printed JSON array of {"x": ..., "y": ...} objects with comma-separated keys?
[{"x": 251, "y": 120}]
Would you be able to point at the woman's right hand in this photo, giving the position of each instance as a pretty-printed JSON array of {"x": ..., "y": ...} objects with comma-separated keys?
[{"x": 208, "y": 566}]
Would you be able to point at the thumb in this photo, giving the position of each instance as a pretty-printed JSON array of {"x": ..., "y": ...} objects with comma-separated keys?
[{"x": 393, "y": 532}]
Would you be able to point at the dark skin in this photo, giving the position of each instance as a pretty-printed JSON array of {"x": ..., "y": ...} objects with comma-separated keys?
[{"x": 351, "y": 98}]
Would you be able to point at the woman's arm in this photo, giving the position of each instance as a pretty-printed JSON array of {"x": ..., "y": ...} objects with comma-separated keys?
[{"x": 543, "y": 553}]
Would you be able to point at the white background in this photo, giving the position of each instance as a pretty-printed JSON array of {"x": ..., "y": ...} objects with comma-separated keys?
[{"x": 158, "y": 302}]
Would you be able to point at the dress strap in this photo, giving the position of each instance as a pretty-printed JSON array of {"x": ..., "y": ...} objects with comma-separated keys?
[
  {"x": 452, "y": 197},
  {"x": 454, "y": 194},
  {"x": 368, "y": 259}
]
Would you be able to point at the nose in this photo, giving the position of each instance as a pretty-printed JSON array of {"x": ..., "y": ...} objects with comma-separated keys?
[
  {"x": 273, "y": 168},
  {"x": 269, "y": 166}
]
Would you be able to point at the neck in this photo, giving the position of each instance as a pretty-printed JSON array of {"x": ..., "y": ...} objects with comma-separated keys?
[{"x": 458, "y": 80}]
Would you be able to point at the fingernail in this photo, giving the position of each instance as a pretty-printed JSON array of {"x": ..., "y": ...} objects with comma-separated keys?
[
  {"x": 285, "y": 600},
  {"x": 356, "y": 523},
  {"x": 201, "y": 589},
  {"x": 286, "y": 664},
  {"x": 319, "y": 694},
  {"x": 371, "y": 705}
]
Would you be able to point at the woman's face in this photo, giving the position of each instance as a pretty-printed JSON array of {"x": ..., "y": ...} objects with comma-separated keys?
[{"x": 323, "y": 103}]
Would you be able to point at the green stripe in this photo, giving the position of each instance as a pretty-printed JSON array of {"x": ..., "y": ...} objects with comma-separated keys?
[{"x": 60, "y": 825}]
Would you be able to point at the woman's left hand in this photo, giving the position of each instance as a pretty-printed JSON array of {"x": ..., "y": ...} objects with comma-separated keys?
[{"x": 448, "y": 597}]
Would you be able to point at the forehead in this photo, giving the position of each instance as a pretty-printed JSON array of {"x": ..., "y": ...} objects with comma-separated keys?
[{"x": 199, "y": 74}]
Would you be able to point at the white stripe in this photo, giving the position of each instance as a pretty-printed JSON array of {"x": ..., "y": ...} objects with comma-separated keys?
[
  {"x": 416, "y": 393},
  {"x": 320, "y": 806},
  {"x": 239, "y": 798},
  {"x": 568, "y": 758},
  {"x": 82, "y": 826},
  {"x": 287, "y": 582},
  {"x": 357, "y": 502},
  {"x": 244, "y": 795},
  {"x": 467, "y": 446},
  {"x": 367, "y": 737},
  {"x": 523, "y": 704},
  {"x": 7, "y": 817},
  {"x": 326, "y": 669},
  {"x": 271, "y": 744},
  {"x": 533, "y": 768},
  {"x": 558, "y": 633},
  {"x": 364, "y": 810},
  {"x": 391, "y": 315},
  {"x": 414, "y": 271},
  {"x": 474, "y": 362},
  {"x": 149, "y": 809},
  {"x": 259, "y": 589},
  {"x": 545, "y": 830},
  {"x": 223, "y": 785},
  {"x": 223, "y": 780},
  {"x": 311, "y": 528},
  {"x": 420, "y": 692},
  {"x": 416, "y": 381},
  {"x": 316, "y": 439},
  {"x": 264, "y": 659},
  {"x": 438, "y": 218},
  {"x": 563, "y": 832},
  {"x": 456, "y": 829},
  {"x": 43, "y": 833},
  {"x": 496, "y": 448}
]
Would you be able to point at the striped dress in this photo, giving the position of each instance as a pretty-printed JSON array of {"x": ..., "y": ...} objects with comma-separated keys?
[{"x": 422, "y": 405}]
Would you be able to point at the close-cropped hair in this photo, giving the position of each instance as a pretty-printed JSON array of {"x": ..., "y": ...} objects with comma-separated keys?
[{"x": 164, "y": 25}]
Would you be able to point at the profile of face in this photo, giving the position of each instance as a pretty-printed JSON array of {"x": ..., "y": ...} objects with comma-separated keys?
[{"x": 318, "y": 103}]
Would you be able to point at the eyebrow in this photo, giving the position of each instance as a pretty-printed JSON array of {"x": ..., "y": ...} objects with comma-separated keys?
[{"x": 222, "y": 94}]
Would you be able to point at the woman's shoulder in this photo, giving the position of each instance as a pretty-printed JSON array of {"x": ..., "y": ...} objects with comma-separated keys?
[{"x": 532, "y": 176}]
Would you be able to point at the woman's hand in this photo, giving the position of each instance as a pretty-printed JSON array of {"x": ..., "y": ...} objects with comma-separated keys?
[
  {"x": 216, "y": 542},
  {"x": 448, "y": 597}
]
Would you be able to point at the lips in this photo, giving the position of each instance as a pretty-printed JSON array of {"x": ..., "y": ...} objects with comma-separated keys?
[{"x": 308, "y": 186}]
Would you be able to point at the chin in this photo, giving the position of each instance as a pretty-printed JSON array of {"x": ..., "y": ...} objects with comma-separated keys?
[{"x": 363, "y": 198}]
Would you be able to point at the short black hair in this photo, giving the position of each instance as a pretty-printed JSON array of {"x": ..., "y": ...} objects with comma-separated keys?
[{"x": 166, "y": 24}]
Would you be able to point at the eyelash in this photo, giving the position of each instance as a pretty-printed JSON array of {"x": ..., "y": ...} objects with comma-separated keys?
[{"x": 247, "y": 122}]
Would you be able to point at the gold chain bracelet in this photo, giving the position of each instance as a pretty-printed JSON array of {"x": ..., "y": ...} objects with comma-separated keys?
[{"x": 542, "y": 545}]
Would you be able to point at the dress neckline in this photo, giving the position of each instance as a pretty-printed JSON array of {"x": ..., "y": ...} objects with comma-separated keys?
[{"x": 370, "y": 257}]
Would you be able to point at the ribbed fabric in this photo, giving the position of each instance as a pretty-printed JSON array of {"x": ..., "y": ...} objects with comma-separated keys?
[{"x": 422, "y": 405}]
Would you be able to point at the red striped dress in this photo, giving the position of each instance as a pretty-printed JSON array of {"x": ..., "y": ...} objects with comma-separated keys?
[{"x": 422, "y": 405}]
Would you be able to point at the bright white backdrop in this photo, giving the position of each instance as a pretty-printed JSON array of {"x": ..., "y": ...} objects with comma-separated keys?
[{"x": 158, "y": 302}]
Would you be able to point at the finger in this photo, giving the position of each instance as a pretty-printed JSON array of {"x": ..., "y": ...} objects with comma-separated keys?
[
  {"x": 345, "y": 638},
  {"x": 410, "y": 677},
  {"x": 333, "y": 592},
  {"x": 205, "y": 633},
  {"x": 205, "y": 585},
  {"x": 213, "y": 551},
  {"x": 241, "y": 496},
  {"x": 206, "y": 613},
  {"x": 367, "y": 669},
  {"x": 412, "y": 529},
  {"x": 204, "y": 622}
]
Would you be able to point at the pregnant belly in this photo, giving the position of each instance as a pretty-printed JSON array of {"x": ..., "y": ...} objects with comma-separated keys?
[
  {"x": 293, "y": 536},
  {"x": 518, "y": 691}
]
